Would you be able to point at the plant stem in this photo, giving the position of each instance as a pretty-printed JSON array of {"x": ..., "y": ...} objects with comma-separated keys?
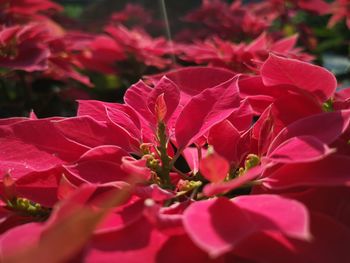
[
  {"x": 164, "y": 172},
  {"x": 183, "y": 175},
  {"x": 176, "y": 156}
]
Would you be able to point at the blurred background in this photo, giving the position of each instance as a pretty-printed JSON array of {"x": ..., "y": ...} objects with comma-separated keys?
[{"x": 96, "y": 49}]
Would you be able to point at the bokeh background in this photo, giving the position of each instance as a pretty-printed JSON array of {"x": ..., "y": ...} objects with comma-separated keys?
[{"x": 164, "y": 25}]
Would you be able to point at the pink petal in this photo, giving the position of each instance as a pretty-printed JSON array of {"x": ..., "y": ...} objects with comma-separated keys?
[
  {"x": 119, "y": 117},
  {"x": 263, "y": 131},
  {"x": 205, "y": 110},
  {"x": 125, "y": 118},
  {"x": 259, "y": 103},
  {"x": 194, "y": 80},
  {"x": 40, "y": 187},
  {"x": 160, "y": 108},
  {"x": 136, "y": 168},
  {"x": 217, "y": 225},
  {"x": 284, "y": 71},
  {"x": 285, "y": 44},
  {"x": 258, "y": 94},
  {"x": 191, "y": 156},
  {"x": 98, "y": 172},
  {"x": 299, "y": 150},
  {"x": 71, "y": 216},
  {"x": 138, "y": 241},
  {"x": 121, "y": 217},
  {"x": 330, "y": 171},
  {"x": 91, "y": 133},
  {"x": 185, "y": 250},
  {"x": 292, "y": 107},
  {"x": 224, "y": 137},
  {"x": 336, "y": 123},
  {"x": 219, "y": 188},
  {"x": 329, "y": 243},
  {"x": 214, "y": 168},
  {"x": 319, "y": 6},
  {"x": 136, "y": 97},
  {"x": 171, "y": 96},
  {"x": 30, "y": 58},
  {"x": 24, "y": 146},
  {"x": 13, "y": 120},
  {"x": 99, "y": 165},
  {"x": 20, "y": 237},
  {"x": 331, "y": 201},
  {"x": 268, "y": 247},
  {"x": 93, "y": 108},
  {"x": 258, "y": 44},
  {"x": 65, "y": 188},
  {"x": 154, "y": 192},
  {"x": 168, "y": 220},
  {"x": 19, "y": 158},
  {"x": 242, "y": 118},
  {"x": 71, "y": 203},
  {"x": 104, "y": 152},
  {"x": 277, "y": 213}
]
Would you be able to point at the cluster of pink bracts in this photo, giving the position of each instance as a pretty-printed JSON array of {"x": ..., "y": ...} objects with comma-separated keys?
[
  {"x": 109, "y": 186},
  {"x": 243, "y": 161},
  {"x": 31, "y": 41}
]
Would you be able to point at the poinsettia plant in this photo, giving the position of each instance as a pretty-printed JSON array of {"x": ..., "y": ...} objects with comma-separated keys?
[
  {"x": 228, "y": 145},
  {"x": 180, "y": 171}
]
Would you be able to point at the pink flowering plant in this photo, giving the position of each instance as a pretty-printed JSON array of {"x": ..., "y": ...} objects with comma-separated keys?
[
  {"x": 225, "y": 151},
  {"x": 180, "y": 171}
]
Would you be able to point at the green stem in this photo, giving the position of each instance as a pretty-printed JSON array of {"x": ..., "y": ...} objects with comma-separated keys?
[
  {"x": 164, "y": 172},
  {"x": 194, "y": 193}
]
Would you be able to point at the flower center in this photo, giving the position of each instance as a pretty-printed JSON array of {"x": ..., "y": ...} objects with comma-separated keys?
[{"x": 28, "y": 208}]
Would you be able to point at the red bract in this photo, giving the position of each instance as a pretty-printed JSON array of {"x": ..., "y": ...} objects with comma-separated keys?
[
  {"x": 51, "y": 233},
  {"x": 62, "y": 62},
  {"x": 274, "y": 83},
  {"x": 276, "y": 71},
  {"x": 340, "y": 9},
  {"x": 99, "y": 165},
  {"x": 101, "y": 55},
  {"x": 229, "y": 21},
  {"x": 210, "y": 223},
  {"x": 23, "y": 48},
  {"x": 318, "y": 6},
  {"x": 26, "y": 10},
  {"x": 150, "y": 103},
  {"x": 141, "y": 46},
  {"x": 224, "y": 137},
  {"x": 36, "y": 47},
  {"x": 277, "y": 248},
  {"x": 239, "y": 20},
  {"x": 42, "y": 141},
  {"x": 132, "y": 14},
  {"x": 193, "y": 80},
  {"x": 241, "y": 57},
  {"x": 28, "y": 7},
  {"x": 341, "y": 99},
  {"x": 303, "y": 134},
  {"x": 209, "y": 108},
  {"x": 214, "y": 168}
]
